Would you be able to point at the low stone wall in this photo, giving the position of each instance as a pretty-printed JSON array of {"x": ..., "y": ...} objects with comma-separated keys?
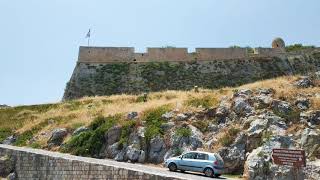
[{"x": 40, "y": 164}]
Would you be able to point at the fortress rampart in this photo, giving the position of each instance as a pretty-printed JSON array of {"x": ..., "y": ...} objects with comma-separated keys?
[
  {"x": 128, "y": 54},
  {"x": 115, "y": 70}
]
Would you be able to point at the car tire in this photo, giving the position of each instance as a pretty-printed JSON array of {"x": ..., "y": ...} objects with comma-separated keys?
[
  {"x": 208, "y": 172},
  {"x": 182, "y": 171},
  {"x": 172, "y": 167}
]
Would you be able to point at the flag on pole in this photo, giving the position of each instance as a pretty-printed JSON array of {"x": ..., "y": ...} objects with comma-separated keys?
[{"x": 88, "y": 34}]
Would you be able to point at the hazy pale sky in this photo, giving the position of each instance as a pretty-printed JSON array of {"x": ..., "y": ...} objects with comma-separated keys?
[{"x": 40, "y": 39}]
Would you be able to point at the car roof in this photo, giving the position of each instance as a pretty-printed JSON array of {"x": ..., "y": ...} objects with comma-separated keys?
[{"x": 199, "y": 152}]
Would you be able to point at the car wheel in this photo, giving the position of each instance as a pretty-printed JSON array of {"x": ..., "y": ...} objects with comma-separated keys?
[
  {"x": 208, "y": 172},
  {"x": 172, "y": 167},
  {"x": 182, "y": 171}
]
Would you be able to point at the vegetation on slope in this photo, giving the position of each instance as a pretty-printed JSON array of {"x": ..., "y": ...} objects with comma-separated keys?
[{"x": 33, "y": 124}]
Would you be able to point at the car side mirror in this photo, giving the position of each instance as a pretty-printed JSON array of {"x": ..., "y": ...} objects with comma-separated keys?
[{"x": 180, "y": 157}]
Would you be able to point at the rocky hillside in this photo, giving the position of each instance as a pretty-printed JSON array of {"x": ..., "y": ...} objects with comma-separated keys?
[{"x": 242, "y": 124}]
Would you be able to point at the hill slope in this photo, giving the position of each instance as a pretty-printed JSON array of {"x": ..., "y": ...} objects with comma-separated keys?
[{"x": 250, "y": 119}]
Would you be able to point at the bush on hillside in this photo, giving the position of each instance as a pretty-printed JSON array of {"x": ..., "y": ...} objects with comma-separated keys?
[
  {"x": 89, "y": 143},
  {"x": 205, "y": 102},
  {"x": 153, "y": 120}
]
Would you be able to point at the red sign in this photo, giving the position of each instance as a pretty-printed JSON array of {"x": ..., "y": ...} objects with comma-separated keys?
[{"x": 290, "y": 157}]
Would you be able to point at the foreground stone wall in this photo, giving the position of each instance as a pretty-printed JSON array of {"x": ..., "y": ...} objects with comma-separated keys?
[
  {"x": 40, "y": 164},
  {"x": 92, "y": 79}
]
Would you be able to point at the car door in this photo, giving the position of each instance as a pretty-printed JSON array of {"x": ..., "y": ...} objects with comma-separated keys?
[
  {"x": 188, "y": 162},
  {"x": 201, "y": 161}
]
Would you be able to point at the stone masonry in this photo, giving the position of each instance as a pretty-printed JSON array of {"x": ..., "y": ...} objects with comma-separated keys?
[{"x": 40, "y": 164}]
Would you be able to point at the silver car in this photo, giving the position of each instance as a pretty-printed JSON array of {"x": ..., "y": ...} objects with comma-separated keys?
[{"x": 211, "y": 164}]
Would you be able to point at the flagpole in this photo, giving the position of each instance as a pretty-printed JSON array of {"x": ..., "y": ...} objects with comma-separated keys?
[{"x": 88, "y": 40}]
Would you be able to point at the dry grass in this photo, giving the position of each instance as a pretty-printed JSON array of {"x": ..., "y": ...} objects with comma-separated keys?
[{"x": 72, "y": 114}]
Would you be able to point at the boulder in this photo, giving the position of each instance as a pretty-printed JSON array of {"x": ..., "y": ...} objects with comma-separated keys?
[
  {"x": 167, "y": 126},
  {"x": 132, "y": 115},
  {"x": 262, "y": 101},
  {"x": 135, "y": 155},
  {"x": 121, "y": 156},
  {"x": 312, "y": 171},
  {"x": 80, "y": 130},
  {"x": 57, "y": 137},
  {"x": 113, "y": 150},
  {"x": 235, "y": 155},
  {"x": 182, "y": 117},
  {"x": 136, "y": 138},
  {"x": 113, "y": 135},
  {"x": 281, "y": 107},
  {"x": 6, "y": 165},
  {"x": 242, "y": 93},
  {"x": 242, "y": 107},
  {"x": 167, "y": 116},
  {"x": 264, "y": 123},
  {"x": 213, "y": 127},
  {"x": 222, "y": 114},
  {"x": 265, "y": 91},
  {"x": 194, "y": 141},
  {"x": 9, "y": 140},
  {"x": 310, "y": 139},
  {"x": 311, "y": 117},
  {"x": 304, "y": 82},
  {"x": 302, "y": 103},
  {"x": 259, "y": 163},
  {"x": 157, "y": 150},
  {"x": 196, "y": 138},
  {"x": 201, "y": 114}
]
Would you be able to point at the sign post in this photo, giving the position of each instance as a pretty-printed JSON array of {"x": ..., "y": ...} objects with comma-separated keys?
[{"x": 290, "y": 157}]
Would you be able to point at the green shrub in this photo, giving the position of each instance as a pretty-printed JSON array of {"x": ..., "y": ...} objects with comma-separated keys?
[
  {"x": 89, "y": 143},
  {"x": 125, "y": 132},
  {"x": 4, "y": 133},
  {"x": 153, "y": 121},
  {"x": 206, "y": 102},
  {"x": 183, "y": 132}
]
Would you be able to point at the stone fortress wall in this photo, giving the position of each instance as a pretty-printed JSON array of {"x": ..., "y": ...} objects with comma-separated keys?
[
  {"x": 115, "y": 70},
  {"x": 127, "y": 54}
]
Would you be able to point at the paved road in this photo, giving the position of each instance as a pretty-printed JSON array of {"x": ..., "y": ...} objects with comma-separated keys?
[{"x": 135, "y": 167}]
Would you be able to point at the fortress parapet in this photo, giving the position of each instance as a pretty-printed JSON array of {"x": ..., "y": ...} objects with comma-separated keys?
[
  {"x": 221, "y": 53},
  {"x": 268, "y": 52},
  {"x": 105, "y": 54},
  {"x": 128, "y": 54}
]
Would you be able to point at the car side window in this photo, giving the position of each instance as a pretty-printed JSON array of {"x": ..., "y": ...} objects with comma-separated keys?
[
  {"x": 190, "y": 156},
  {"x": 202, "y": 156}
]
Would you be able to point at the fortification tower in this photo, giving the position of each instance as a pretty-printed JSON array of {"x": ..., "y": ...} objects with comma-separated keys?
[{"x": 278, "y": 43}]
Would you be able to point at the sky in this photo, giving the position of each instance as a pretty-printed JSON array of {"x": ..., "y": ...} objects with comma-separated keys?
[{"x": 40, "y": 39}]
